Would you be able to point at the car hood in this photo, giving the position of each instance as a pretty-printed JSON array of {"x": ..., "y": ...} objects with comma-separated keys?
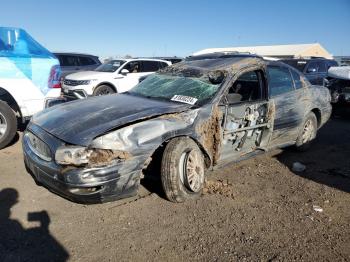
[
  {"x": 79, "y": 122},
  {"x": 88, "y": 75}
]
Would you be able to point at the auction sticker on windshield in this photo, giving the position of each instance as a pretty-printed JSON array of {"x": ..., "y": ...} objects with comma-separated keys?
[{"x": 184, "y": 99}]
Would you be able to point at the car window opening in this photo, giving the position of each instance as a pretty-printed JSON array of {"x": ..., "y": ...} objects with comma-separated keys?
[
  {"x": 110, "y": 66},
  {"x": 249, "y": 86}
]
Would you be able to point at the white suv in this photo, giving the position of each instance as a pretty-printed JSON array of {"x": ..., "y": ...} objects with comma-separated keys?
[{"x": 115, "y": 76}]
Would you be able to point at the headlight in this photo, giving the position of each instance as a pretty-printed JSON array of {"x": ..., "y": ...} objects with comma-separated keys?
[
  {"x": 72, "y": 155},
  {"x": 85, "y": 82},
  {"x": 90, "y": 81},
  {"x": 77, "y": 156}
]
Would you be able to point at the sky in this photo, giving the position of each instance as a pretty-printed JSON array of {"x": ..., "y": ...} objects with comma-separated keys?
[{"x": 178, "y": 27}]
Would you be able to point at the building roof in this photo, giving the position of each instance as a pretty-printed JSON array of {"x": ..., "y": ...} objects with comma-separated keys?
[{"x": 299, "y": 50}]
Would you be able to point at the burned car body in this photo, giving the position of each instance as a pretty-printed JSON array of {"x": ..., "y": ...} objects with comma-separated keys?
[{"x": 205, "y": 112}]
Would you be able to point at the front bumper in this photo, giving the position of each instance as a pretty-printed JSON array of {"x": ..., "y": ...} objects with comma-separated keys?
[
  {"x": 74, "y": 94},
  {"x": 82, "y": 185},
  {"x": 77, "y": 91}
]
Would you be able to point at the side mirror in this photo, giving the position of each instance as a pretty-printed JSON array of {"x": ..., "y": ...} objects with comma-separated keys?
[
  {"x": 124, "y": 71},
  {"x": 233, "y": 98},
  {"x": 311, "y": 70}
]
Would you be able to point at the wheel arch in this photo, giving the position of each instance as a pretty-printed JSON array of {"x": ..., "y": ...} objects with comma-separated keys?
[
  {"x": 207, "y": 158},
  {"x": 107, "y": 84},
  {"x": 10, "y": 100},
  {"x": 318, "y": 115}
]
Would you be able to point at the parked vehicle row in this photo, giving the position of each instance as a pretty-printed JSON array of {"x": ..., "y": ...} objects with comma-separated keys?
[
  {"x": 199, "y": 114},
  {"x": 315, "y": 69}
]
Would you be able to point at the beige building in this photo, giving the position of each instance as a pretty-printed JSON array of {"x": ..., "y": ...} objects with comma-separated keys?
[{"x": 278, "y": 51}]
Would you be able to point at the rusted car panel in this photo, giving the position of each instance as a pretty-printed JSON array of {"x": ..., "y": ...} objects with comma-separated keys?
[{"x": 115, "y": 136}]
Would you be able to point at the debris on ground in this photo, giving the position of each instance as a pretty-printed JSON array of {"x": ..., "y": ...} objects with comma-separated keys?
[
  {"x": 317, "y": 208},
  {"x": 220, "y": 187},
  {"x": 298, "y": 167}
]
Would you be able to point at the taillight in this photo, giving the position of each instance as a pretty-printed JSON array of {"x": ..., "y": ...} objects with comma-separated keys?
[{"x": 55, "y": 77}]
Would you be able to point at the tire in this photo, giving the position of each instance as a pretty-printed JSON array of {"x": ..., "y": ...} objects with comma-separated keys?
[
  {"x": 182, "y": 170},
  {"x": 8, "y": 124},
  {"x": 307, "y": 133},
  {"x": 103, "y": 90}
]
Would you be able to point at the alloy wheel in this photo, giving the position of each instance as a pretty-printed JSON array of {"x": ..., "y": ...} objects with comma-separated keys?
[
  {"x": 308, "y": 131},
  {"x": 191, "y": 167},
  {"x": 3, "y": 125}
]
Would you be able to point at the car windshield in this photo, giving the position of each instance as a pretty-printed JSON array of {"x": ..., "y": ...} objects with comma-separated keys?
[
  {"x": 184, "y": 89},
  {"x": 110, "y": 66}
]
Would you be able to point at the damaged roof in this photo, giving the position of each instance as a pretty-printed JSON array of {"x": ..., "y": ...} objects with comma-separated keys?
[{"x": 229, "y": 63}]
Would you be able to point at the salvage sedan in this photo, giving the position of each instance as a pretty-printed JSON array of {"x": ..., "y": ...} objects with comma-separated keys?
[{"x": 201, "y": 114}]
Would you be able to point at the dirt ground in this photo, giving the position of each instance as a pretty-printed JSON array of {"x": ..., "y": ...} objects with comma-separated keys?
[{"x": 258, "y": 209}]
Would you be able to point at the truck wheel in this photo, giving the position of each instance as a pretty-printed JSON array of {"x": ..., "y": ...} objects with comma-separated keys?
[
  {"x": 103, "y": 90},
  {"x": 307, "y": 133},
  {"x": 8, "y": 124},
  {"x": 182, "y": 170}
]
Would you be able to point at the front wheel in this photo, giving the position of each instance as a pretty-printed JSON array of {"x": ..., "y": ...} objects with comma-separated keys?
[
  {"x": 103, "y": 90},
  {"x": 307, "y": 133},
  {"x": 8, "y": 124},
  {"x": 182, "y": 170}
]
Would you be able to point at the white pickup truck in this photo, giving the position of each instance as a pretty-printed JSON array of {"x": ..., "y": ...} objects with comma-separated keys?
[{"x": 29, "y": 80}]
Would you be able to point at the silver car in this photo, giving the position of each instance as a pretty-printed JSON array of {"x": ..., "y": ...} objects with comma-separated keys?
[{"x": 74, "y": 62}]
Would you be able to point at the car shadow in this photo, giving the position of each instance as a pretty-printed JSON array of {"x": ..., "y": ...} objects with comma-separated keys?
[
  {"x": 32, "y": 244},
  {"x": 327, "y": 160},
  {"x": 14, "y": 140}
]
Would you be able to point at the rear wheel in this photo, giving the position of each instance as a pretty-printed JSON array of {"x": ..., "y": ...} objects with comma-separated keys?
[
  {"x": 8, "y": 124},
  {"x": 182, "y": 171},
  {"x": 308, "y": 132},
  {"x": 103, "y": 90}
]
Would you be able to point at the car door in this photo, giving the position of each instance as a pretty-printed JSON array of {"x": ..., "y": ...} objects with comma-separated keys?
[
  {"x": 132, "y": 78},
  {"x": 289, "y": 104},
  {"x": 248, "y": 116},
  {"x": 126, "y": 81}
]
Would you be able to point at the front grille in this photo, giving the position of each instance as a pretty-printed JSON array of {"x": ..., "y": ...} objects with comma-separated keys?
[
  {"x": 38, "y": 146},
  {"x": 71, "y": 94},
  {"x": 69, "y": 82}
]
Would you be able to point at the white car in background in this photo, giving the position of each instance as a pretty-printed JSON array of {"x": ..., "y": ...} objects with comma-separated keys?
[{"x": 115, "y": 76}]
